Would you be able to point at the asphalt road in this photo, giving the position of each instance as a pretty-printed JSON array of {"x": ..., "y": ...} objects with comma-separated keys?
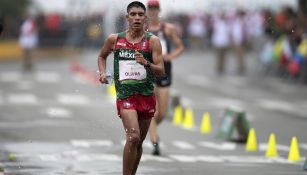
[{"x": 58, "y": 121}]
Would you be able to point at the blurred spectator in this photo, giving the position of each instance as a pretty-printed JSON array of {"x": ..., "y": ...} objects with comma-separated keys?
[
  {"x": 1, "y": 28},
  {"x": 28, "y": 41},
  {"x": 220, "y": 40},
  {"x": 237, "y": 37},
  {"x": 53, "y": 23},
  {"x": 197, "y": 31}
]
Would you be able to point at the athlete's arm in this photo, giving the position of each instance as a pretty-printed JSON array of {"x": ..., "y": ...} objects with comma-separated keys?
[
  {"x": 157, "y": 67},
  {"x": 104, "y": 53},
  {"x": 173, "y": 35}
]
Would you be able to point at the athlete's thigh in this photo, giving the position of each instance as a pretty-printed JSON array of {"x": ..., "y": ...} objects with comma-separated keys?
[{"x": 130, "y": 120}]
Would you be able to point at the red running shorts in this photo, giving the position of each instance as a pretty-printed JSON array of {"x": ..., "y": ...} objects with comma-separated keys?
[{"x": 145, "y": 106}]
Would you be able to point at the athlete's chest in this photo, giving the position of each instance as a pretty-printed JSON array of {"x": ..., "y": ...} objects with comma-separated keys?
[{"x": 124, "y": 44}]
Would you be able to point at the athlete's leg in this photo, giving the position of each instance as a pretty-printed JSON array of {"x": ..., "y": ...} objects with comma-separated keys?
[
  {"x": 221, "y": 53},
  {"x": 163, "y": 98},
  {"x": 144, "y": 125},
  {"x": 162, "y": 95},
  {"x": 133, "y": 138}
]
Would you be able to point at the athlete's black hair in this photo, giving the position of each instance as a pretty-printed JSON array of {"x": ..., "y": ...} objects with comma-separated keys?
[{"x": 136, "y": 4}]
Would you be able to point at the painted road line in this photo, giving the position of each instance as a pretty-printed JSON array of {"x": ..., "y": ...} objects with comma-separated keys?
[
  {"x": 276, "y": 105},
  {"x": 148, "y": 157},
  {"x": 146, "y": 144},
  {"x": 78, "y": 79},
  {"x": 226, "y": 102},
  {"x": 73, "y": 99},
  {"x": 48, "y": 157},
  {"x": 180, "y": 158},
  {"x": 10, "y": 76},
  {"x": 209, "y": 158},
  {"x": 91, "y": 143},
  {"x": 264, "y": 146},
  {"x": 303, "y": 146},
  {"x": 47, "y": 77},
  {"x": 226, "y": 146},
  {"x": 107, "y": 157},
  {"x": 24, "y": 99},
  {"x": 183, "y": 145},
  {"x": 25, "y": 85},
  {"x": 184, "y": 158},
  {"x": 56, "y": 112}
]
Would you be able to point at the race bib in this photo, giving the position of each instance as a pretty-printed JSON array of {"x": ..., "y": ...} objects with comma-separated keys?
[{"x": 131, "y": 70}]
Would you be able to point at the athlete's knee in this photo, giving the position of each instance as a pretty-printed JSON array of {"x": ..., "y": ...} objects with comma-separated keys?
[{"x": 133, "y": 136}]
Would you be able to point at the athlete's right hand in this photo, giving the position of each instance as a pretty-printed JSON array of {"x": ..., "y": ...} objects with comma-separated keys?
[{"x": 103, "y": 78}]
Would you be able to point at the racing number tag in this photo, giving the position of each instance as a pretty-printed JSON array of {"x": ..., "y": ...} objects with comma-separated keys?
[{"x": 131, "y": 70}]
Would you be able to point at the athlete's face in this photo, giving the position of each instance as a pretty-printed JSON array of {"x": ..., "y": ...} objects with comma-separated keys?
[{"x": 136, "y": 18}]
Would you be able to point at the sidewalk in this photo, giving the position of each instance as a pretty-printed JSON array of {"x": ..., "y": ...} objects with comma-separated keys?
[{"x": 10, "y": 50}]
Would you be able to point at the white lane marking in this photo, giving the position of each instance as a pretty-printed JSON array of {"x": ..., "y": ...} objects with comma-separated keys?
[
  {"x": 91, "y": 143},
  {"x": 10, "y": 76},
  {"x": 184, "y": 158},
  {"x": 22, "y": 99},
  {"x": 183, "y": 145},
  {"x": 276, "y": 105},
  {"x": 226, "y": 102},
  {"x": 70, "y": 154},
  {"x": 209, "y": 158},
  {"x": 264, "y": 146},
  {"x": 107, "y": 157},
  {"x": 84, "y": 158},
  {"x": 229, "y": 159},
  {"x": 146, "y": 144},
  {"x": 73, "y": 99},
  {"x": 79, "y": 79},
  {"x": 48, "y": 157},
  {"x": 147, "y": 157},
  {"x": 25, "y": 85},
  {"x": 246, "y": 159},
  {"x": 55, "y": 112},
  {"x": 47, "y": 77},
  {"x": 303, "y": 146},
  {"x": 226, "y": 146}
]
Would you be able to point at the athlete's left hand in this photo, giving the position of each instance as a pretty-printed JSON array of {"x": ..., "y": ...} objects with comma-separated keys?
[{"x": 139, "y": 58}]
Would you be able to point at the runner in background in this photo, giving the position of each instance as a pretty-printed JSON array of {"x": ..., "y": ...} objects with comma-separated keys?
[{"x": 169, "y": 37}]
